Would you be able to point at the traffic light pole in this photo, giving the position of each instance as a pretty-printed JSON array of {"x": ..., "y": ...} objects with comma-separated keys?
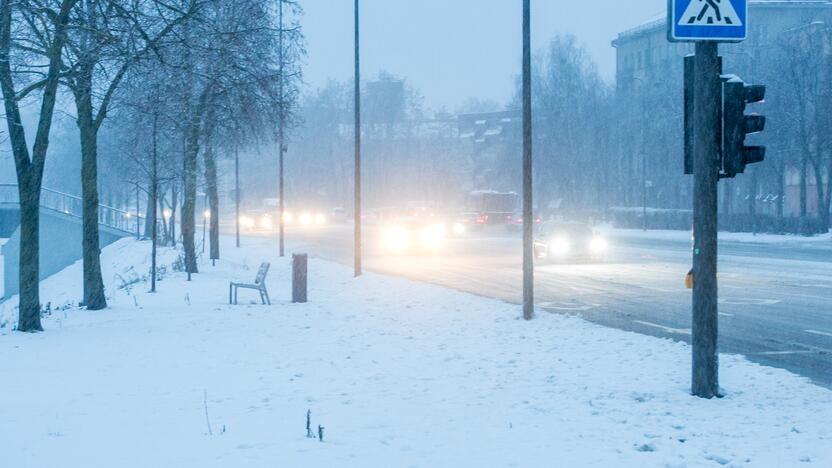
[
  {"x": 706, "y": 148},
  {"x": 528, "y": 215}
]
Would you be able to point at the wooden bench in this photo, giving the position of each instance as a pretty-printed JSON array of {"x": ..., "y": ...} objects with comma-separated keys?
[{"x": 259, "y": 285}]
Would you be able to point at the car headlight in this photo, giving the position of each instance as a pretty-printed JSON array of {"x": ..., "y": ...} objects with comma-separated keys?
[
  {"x": 320, "y": 219},
  {"x": 560, "y": 246},
  {"x": 246, "y": 222},
  {"x": 287, "y": 217},
  {"x": 598, "y": 245},
  {"x": 397, "y": 239},
  {"x": 459, "y": 229}
]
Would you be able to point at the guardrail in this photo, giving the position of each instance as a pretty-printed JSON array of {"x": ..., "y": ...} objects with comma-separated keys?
[{"x": 72, "y": 205}]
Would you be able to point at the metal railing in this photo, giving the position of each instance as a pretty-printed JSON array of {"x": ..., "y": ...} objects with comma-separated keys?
[{"x": 72, "y": 205}]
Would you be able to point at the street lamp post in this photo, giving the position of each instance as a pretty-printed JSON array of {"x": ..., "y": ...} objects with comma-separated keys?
[
  {"x": 237, "y": 193},
  {"x": 528, "y": 215},
  {"x": 357, "y": 203},
  {"x": 281, "y": 136}
]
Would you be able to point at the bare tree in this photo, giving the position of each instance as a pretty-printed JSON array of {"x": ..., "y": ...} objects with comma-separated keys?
[{"x": 32, "y": 38}]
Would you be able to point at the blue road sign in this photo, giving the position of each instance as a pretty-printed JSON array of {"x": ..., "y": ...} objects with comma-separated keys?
[{"x": 707, "y": 20}]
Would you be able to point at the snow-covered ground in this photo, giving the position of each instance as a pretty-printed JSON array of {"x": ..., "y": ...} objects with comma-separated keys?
[
  {"x": 399, "y": 374},
  {"x": 2, "y": 266},
  {"x": 744, "y": 237}
]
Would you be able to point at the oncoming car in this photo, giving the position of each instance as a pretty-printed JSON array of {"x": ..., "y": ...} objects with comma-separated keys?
[
  {"x": 560, "y": 241},
  {"x": 257, "y": 220},
  {"x": 410, "y": 236}
]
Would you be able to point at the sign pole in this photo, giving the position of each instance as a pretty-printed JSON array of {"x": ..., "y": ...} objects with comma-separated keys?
[{"x": 706, "y": 157}]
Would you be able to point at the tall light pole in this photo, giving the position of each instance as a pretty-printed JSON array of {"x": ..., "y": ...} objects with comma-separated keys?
[
  {"x": 528, "y": 215},
  {"x": 281, "y": 123},
  {"x": 237, "y": 192},
  {"x": 357, "y": 203}
]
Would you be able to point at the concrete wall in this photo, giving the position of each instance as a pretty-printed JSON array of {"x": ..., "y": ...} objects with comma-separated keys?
[
  {"x": 60, "y": 241},
  {"x": 9, "y": 220}
]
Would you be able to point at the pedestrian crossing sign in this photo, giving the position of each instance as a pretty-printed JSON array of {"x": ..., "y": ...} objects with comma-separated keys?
[{"x": 707, "y": 20}]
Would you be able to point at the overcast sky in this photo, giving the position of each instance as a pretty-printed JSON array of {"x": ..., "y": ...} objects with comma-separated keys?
[{"x": 455, "y": 49}]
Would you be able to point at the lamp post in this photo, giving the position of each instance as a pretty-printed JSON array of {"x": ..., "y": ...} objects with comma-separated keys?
[
  {"x": 528, "y": 215},
  {"x": 281, "y": 138},
  {"x": 357, "y": 203}
]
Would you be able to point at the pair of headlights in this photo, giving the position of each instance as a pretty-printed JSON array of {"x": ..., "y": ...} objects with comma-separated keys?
[{"x": 561, "y": 246}]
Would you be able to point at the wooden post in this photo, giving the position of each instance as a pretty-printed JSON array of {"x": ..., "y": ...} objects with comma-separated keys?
[{"x": 299, "y": 278}]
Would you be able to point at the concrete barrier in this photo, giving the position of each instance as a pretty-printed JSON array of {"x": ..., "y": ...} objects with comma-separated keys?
[{"x": 60, "y": 247}]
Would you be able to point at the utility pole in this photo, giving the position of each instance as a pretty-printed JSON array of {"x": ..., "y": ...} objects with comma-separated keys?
[
  {"x": 237, "y": 191},
  {"x": 357, "y": 203},
  {"x": 528, "y": 215},
  {"x": 706, "y": 170},
  {"x": 281, "y": 123}
]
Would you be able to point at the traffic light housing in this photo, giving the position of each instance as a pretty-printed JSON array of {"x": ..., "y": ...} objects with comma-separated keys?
[{"x": 737, "y": 125}]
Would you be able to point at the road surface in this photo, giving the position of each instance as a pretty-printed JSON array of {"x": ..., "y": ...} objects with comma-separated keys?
[{"x": 775, "y": 299}]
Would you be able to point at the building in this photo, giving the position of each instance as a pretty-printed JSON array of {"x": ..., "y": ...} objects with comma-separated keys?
[{"x": 649, "y": 78}]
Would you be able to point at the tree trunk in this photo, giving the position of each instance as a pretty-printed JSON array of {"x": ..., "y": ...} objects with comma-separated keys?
[
  {"x": 213, "y": 197},
  {"x": 823, "y": 206},
  {"x": 29, "y": 313},
  {"x": 94, "y": 297},
  {"x": 174, "y": 203},
  {"x": 30, "y": 170},
  {"x": 188, "y": 219},
  {"x": 803, "y": 187},
  {"x": 148, "y": 223},
  {"x": 165, "y": 227}
]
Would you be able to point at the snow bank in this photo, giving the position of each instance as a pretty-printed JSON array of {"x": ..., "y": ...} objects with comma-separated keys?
[
  {"x": 398, "y": 373},
  {"x": 743, "y": 237},
  {"x": 124, "y": 264}
]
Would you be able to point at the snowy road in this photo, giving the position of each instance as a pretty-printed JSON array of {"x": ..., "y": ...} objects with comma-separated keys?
[{"x": 776, "y": 299}]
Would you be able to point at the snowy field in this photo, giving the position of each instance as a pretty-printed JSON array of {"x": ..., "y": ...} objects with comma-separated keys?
[{"x": 400, "y": 374}]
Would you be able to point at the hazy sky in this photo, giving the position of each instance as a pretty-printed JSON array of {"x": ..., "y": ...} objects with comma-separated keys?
[{"x": 455, "y": 49}]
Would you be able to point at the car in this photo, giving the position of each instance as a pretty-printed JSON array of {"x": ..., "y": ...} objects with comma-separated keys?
[
  {"x": 413, "y": 236},
  {"x": 304, "y": 218},
  {"x": 515, "y": 221},
  {"x": 559, "y": 241},
  {"x": 257, "y": 220}
]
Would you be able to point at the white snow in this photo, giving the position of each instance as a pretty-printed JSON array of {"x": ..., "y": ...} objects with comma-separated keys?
[
  {"x": 743, "y": 237},
  {"x": 2, "y": 267},
  {"x": 399, "y": 373}
]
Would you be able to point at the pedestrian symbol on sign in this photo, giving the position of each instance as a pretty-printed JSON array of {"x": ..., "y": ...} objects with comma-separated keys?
[
  {"x": 707, "y": 20},
  {"x": 710, "y": 12}
]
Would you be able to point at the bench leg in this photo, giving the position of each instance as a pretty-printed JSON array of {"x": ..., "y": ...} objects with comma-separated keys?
[
  {"x": 266, "y": 292},
  {"x": 230, "y": 287}
]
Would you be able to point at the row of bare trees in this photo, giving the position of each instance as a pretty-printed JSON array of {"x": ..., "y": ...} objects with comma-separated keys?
[{"x": 158, "y": 83}]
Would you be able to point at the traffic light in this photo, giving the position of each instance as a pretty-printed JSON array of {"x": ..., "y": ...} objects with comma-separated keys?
[{"x": 737, "y": 125}]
